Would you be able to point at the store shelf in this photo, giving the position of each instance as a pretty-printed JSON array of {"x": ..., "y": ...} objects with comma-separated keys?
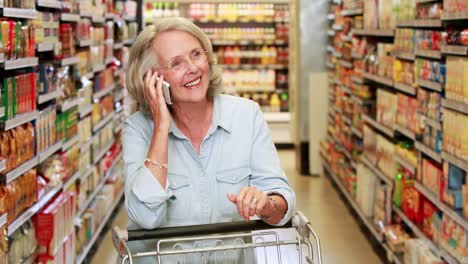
[
  {"x": 18, "y": 120},
  {"x": 85, "y": 110},
  {"x": 356, "y": 55},
  {"x": 44, "y": 47},
  {"x": 86, "y": 145},
  {"x": 416, "y": 231},
  {"x": 444, "y": 208},
  {"x": 2, "y": 165},
  {"x": 337, "y": 27},
  {"x": 330, "y": 49},
  {"x": 346, "y": 38},
  {"x": 3, "y": 220},
  {"x": 248, "y": 42},
  {"x": 108, "y": 61},
  {"x": 432, "y": 54},
  {"x": 110, "y": 16},
  {"x": 88, "y": 75},
  {"x": 96, "y": 190},
  {"x": 103, "y": 122},
  {"x": 376, "y": 171},
  {"x": 280, "y": 117},
  {"x": 128, "y": 41},
  {"x": 454, "y": 50},
  {"x": 404, "y": 55},
  {"x": 331, "y": 33},
  {"x": 430, "y": 85},
  {"x": 47, "y": 97},
  {"x": 69, "y": 17},
  {"x": 356, "y": 132},
  {"x": 69, "y": 104},
  {"x": 357, "y": 80},
  {"x": 45, "y": 154},
  {"x": 462, "y": 164},
  {"x": 98, "y": 67},
  {"x": 85, "y": 43},
  {"x": 70, "y": 61},
  {"x": 99, "y": 19},
  {"x": 330, "y": 65},
  {"x": 18, "y": 171},
  {"x": 374, "y": 32},
  {"x": 433, "y": 123},
  {"x": 446, "y": 16},
  {"x": 82, "y": 256},
  {"x": 103, "y": 92},
  {"x": 337, "y": 54},
  {"x": 31, "y": 211},
  {"x": 428, "y": 151},
  {"x": 118, "y": 45},
  {"x": 253, "y": 66},
  {"x": 71, "y": 142},
  {"x": 405, "y": 163},
  {"x": 71, "y": 180},
  {"x": 118, "y": 128},
  {"x": 383, "y": 129},
  {"x": 367, "y": 221},
  {"x": 20, "y": 13},
  {"x": 455, "y": 105},
  {"x": 102, "y": 153},
  {"x": 420, "y": 23},
  {"x": 352, "y": 12},
  {"x": 406, "y": 88},
  {"x": 50, "y": 4},
  {"x": 346, "y": 64},
  {"x": 406, "y": 132},
  {"x": 426, "y": 1},
  {"x": 378, "y": 79},
  {"x": 21, "y": 63},
  {"x": 330, "y": 16}
]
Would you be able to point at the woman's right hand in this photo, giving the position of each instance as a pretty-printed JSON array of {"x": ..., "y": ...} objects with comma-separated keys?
[{"x": 155, "y": 100}]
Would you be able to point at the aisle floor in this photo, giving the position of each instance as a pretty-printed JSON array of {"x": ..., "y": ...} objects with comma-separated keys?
[{"x": 342, "y": 239}]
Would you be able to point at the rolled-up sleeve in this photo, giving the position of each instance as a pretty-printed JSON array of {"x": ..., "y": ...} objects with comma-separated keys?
[
  {"x": 267, "y": 174},
  {"x": 145, "y": 198}
]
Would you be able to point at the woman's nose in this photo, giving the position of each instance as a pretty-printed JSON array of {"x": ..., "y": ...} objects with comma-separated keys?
[{"x": 191, "y": 65}]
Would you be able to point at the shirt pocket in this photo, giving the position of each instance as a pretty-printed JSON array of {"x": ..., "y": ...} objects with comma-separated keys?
[
  {"x": 231, "y": 181},
  {"x": 181, "y": 196}
]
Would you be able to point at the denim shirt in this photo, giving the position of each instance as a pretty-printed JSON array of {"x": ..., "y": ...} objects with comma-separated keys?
[{"x": 237, "y": 151}]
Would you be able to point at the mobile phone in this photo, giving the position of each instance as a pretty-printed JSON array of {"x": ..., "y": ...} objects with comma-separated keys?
[{"x": 166, "y": 91}]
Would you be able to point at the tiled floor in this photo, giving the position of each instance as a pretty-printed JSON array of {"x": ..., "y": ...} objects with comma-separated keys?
[{"x": 341, "y": 237}]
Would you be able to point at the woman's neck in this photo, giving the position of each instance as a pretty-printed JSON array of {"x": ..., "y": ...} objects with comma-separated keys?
[{"x": 188, "y": 115}]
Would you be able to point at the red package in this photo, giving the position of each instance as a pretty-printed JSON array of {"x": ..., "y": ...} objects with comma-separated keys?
[
  {"x": 428, "y": 213},
  {"x": 411, "y": 204}
]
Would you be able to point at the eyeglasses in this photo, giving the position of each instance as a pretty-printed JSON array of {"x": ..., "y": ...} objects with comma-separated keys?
[{"x": 197, "y": 56}]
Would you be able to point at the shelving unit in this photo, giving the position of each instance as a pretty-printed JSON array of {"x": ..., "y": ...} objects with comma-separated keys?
[
  {"x": 410, "y": 90},
  {"x": 65, "y": 107},
  {"x": 368, "y": 222}
]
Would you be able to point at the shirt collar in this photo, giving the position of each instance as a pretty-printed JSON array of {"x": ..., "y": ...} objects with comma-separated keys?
[{"x": 220, "y": 119}]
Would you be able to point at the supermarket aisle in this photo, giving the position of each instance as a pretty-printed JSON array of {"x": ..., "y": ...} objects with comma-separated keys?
[{"x": 342, "y": 240}]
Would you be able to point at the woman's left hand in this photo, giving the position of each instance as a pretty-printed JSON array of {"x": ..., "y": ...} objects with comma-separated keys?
[{"x": 251, "y": 201}]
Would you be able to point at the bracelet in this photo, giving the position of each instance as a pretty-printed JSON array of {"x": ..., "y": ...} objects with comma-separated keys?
[
  {"x": 158, "y": 164},
  {"x": 275, "y": 209}
]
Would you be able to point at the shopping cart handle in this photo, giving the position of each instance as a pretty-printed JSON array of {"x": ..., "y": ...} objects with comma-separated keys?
[{"x": 199, "y": 230}]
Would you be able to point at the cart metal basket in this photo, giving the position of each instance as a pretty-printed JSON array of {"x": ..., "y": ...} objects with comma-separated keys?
[{"x": 295, "y": 242}]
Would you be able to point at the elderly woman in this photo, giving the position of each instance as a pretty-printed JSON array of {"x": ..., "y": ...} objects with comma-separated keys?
[{"x": 206, "y": 158}]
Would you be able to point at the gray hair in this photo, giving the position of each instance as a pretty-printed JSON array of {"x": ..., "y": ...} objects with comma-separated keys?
[{"x": 142, "y": 57}]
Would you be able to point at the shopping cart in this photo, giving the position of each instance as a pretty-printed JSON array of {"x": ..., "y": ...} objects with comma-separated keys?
[{"x": 290, "y": 243}]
